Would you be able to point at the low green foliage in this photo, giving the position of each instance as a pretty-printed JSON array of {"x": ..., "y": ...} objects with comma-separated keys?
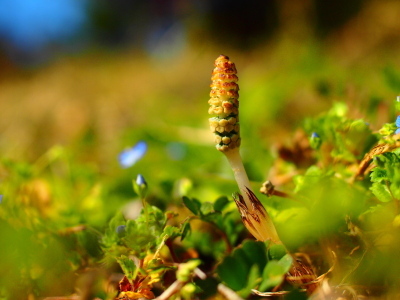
[
  {"x": 274, "y": 272},
  {"x": 330, "y": 209},
  {"x": 385, "y": 177},
  {"x": 236, "y": 268},
  {"x": 72, "y": 224}
]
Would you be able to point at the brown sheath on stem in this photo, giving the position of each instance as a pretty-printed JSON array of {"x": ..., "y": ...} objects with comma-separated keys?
[{"x": 224, "y": 104}]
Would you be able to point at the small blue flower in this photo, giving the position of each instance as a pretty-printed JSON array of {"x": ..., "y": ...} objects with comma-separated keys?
[
  {"x": 120, "y": 230},
  {"x": 315, "y": 141},
  {"x": 140, "y": 180},
  {"x": 130, "y": 156},
  {"x": 140, "y": 186},
  {"x": 1, "y": 199},
  {"x": 397, "y": 122},
  {"x": 314, "y": 135}
]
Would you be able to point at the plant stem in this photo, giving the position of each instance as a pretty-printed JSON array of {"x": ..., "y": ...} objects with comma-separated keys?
[
  {"x": 146, "y": 214},
  {"x": 254, "y": 215},
  {"x": 224, "y": 104},
  {"x": 235, "y": 160}
]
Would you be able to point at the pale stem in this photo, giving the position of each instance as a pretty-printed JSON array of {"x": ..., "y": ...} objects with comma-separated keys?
[
  {"x": 228, "y": 293},
  {"x": 257, "y": 219},
  {"x": 171, "y": 290},
  {"x": 235, "y": 160}
]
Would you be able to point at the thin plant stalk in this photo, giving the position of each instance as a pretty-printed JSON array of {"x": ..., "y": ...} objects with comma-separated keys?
[
  {"x": 224, "y": 104},
  {"x": 140, "y": 187}
]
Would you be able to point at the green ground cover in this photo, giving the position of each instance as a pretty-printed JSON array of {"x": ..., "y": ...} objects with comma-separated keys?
[{"x": 71, "y": 218}]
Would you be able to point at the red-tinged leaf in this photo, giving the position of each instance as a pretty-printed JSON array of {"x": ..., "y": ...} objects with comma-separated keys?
[{"x": 125, "y": 285}]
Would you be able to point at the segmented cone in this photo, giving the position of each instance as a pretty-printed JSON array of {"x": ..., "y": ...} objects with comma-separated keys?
[{"x": 224, "y": 104}]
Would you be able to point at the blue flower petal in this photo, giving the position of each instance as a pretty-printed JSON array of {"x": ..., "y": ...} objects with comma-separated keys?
[
  {"x": 120, "y": 230},
  {"x": 1, "y": 199},
  {"x": 140, "y": 180},
  {"x": 130, "y": 156},
  {"x": 398, "y": 121},
  {"x": 314, "y": 135},
  {"x": 397, "y": 131}
]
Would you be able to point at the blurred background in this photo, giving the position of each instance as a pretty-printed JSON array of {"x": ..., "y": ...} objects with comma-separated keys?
[
  {"x": 81, "y": 80},
  {"x": 98, "y": 76}
]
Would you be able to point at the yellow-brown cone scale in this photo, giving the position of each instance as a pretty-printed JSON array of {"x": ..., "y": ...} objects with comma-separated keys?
[{"x": 224, "y": 104}]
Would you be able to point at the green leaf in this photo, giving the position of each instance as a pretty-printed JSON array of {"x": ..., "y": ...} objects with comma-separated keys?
[
  {"x": 128, "y": 266},
  {"x": 117, "y": 220},
  {"x": 309, "y": 179},
  {"x": 233, "y": 271},
  {"x": 395, "y": 189},
  {"x": 146, "y": 232},
  {"x": 276, "y": 252},
  {"x": 239, "y": 269},
  {"x": 378, "y": 175},
  {"x": 193, "y": 205},
  {"x": 220, "y": 203},
  {"x": 214, "y": 218},
  {"x": 209, "y": 286},
  {"x": 252, "y": 281},
  {"x": 272, "y": 276},
  {"x": 189, "y": 290},
  {"x": 231, "y": 227},
  {"x": 206, "y": 208},
  {"x": 391, "y": 157},
  {"x": 111, "y": 237},
  {"x": 185, "y": 230},
  {"x": 256, "y": 253},
  {"x": 381, "y": 191},
  {"x": 286, "y": 262},
  {"x": 171, "y": 231},
  {"x": 274, "y": 272},
  {"x": 387, "y": 129},
  {"x": 155, "y": 216},
  {"x": 186, "y": 269}
]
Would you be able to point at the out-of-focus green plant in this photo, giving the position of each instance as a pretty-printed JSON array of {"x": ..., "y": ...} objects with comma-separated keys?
[
  {"x": 63, "y": 233},
  {"x": 332, "y": 213},
  {"x": 47, "y": 241},
  {"x": 385, "y": 177}
]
